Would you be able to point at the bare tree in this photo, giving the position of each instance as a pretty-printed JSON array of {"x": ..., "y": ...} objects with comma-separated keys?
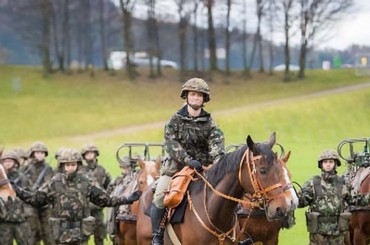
[
  {"x": 127, "y": 7},
  {"x": 271, "y": 19},
  {"x": 244, "y": 40},
  {"x": 316, "y": 16},
  {"x": 213, "y": 66},
  {"x": 287, "y": 6},
  {"x": 260, "y": 8},
  {"x": 46, "y": 9},
  {"x": 102, "y": 35},
  {"x": 195, "y": 34},
  {"x": 227, "y": 37},
  {"x": 184, "y": 16}
]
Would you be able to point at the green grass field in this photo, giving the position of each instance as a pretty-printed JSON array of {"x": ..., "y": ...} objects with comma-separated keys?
[{"x": 68, "y": 111}]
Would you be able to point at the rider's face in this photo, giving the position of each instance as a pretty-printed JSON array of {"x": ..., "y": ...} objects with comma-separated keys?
[
  {"x": 195, "y": 98},
  {"x": 328, "y": 164}
]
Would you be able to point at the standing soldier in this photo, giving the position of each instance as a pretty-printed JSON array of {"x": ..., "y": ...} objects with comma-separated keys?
[
  {"x": 98, "y": 174},
  {"x": 328, "y": 197},
  {"x": 22, "y": 156},
  {"x": 118, "y": 186},
  {"x": 70, "y": 193},
  {"x": 13, "y": 224},
  {"x": 38, "y": 172},
  {"x": 192, "y": 139}
]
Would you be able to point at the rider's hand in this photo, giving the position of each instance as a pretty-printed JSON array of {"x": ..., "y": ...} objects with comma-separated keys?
[
  {"x": 133, "y": 197},
  {"x": 195, "y": 164}
]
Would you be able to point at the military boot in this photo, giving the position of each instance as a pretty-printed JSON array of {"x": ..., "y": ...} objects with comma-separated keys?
[{"x": 157, "y": 231}]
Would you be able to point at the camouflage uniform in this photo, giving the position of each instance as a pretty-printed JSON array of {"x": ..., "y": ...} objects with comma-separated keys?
[
  {"x": 328, "y": 197},
  {"x": 70, "y": 195},
  {"x": 187, "y": 138},
  {"x": 117, "y": 186},
  {"x": 38, "y": 219},
  {"x": 12, "y": 224},
  {"x": 101, "y": 176}
]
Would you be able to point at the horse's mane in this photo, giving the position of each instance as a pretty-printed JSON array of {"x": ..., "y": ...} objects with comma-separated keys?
[
  {"x": 230, "y": 163},
  {"x": 227, "y": 163}
]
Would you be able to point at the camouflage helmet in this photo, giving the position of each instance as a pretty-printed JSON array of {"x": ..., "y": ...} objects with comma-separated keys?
[
  {"x": 11, "y": 155},
  {"x": 197, "y": 85},
  {"x": 328, "y": 154},
  {"x": 21, "y": 153},
  {"x": 89, "y": 147},
  {"x": 68, "y": 155},
  {"x": 38, "y": 146},
  {"x": 59, "y": 152}
]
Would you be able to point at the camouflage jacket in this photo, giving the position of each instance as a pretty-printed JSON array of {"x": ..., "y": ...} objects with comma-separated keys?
[
  {"x": 33, "y": 171},
  {"x": 70, "y": 196},
  {"x": 329, "y": 197},
  {"x": 15, "y": 207},
  {"x": 188, "y": 138},
  {"x": 121, "y": 181},
  {"x": 99, "y": 175}
]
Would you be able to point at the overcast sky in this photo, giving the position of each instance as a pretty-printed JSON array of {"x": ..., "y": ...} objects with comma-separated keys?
[{"x": 354, "y": 28}]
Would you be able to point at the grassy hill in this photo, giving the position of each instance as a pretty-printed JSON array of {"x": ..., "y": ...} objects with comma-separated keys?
[{"x": 71, "y": 110}]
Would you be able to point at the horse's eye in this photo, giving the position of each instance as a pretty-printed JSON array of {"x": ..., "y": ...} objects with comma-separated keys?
[{"x": 263, "y": 170}]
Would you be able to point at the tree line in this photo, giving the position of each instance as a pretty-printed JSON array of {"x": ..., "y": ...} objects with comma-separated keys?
[{"x": 61, "y": 31}]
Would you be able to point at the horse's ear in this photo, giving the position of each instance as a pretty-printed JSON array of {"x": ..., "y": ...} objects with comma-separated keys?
[
  {"x": 141, "y": 163},
  {"x": 272, "y": 141},
  {"x": 158, "y": 162},
  {"x": 250, "y": 143},
  {"x": 285, "y": 157},
  {"x": 1, "y": 150}
]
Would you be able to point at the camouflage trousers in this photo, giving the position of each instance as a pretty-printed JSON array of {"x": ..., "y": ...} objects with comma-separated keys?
[
  {"x": 158, "y": 197},
  {"x": 100, "y": 231},
  {"x": 40, "y": 228},
  {"x": 10, "y": 232},
  {"x": 318, "y": 239}
]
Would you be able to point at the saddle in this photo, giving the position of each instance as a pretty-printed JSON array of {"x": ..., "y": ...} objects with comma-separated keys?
[{"x": 178, "y": 186}]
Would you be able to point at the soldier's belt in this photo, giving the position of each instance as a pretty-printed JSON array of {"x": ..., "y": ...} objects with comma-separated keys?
[
  {"x": 328, "y": 219},
  {"x": 70, "y": 224}
]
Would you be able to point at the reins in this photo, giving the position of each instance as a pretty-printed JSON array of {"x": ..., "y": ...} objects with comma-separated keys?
[{"x": 259, "y": 197}]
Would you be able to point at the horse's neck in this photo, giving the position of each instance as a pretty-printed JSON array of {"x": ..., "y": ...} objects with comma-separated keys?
[{"x": 221, "y": 209}]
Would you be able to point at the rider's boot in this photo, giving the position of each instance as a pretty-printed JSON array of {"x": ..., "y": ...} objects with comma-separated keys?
[{"x": 157, "y": 231}]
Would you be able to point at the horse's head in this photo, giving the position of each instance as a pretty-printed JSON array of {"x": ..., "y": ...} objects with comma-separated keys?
[
  {"x": 149, "y": 172},
  {"x": 269, "y": 178}
]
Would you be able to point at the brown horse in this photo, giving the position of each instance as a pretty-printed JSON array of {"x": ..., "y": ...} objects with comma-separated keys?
[
  {"x": 149, "y": 171},
  {"x": 209, "y": 216},
  {"x": 360, "y": 220},
  {"x": 254, "y": 222}
]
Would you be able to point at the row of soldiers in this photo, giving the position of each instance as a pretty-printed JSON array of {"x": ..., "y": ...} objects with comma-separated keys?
[{"x": 29, "y": 221}]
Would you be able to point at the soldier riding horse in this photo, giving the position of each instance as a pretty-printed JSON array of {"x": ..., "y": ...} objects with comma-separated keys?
[{"x": 212, "y": 198}]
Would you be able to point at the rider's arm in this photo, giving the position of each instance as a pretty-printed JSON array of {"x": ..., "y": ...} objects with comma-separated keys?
[
  {"x": 172, "y": 146},
  {"x": 306, "y": 195},
  {"x": 216, "y": 141}
]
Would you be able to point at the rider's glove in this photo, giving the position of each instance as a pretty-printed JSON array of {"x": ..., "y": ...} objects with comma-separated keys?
[
  {"x": 195, "y": 164},
  {"x": 133, "y": 197}
]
